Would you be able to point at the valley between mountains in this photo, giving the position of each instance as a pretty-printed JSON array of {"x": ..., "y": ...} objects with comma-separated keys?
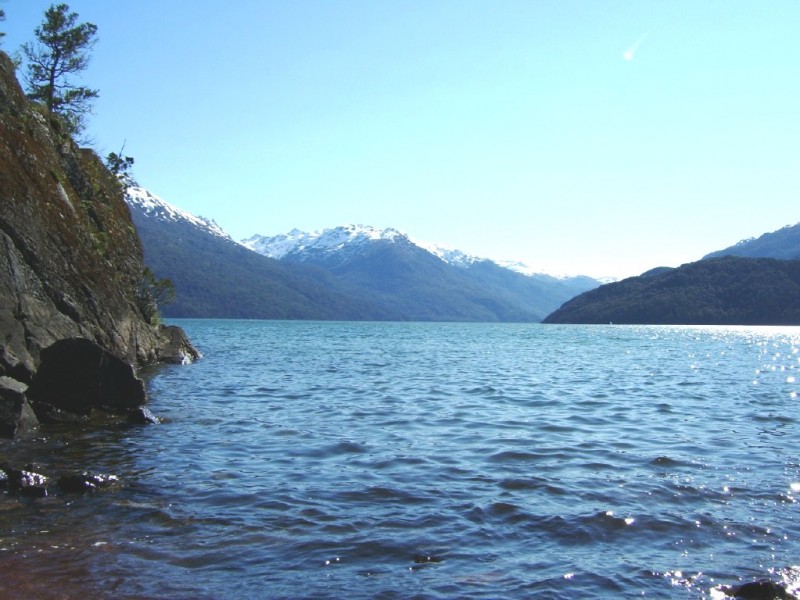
[
  {"x": 356, "y": 272},
  {"x": 346, "y": 273}
]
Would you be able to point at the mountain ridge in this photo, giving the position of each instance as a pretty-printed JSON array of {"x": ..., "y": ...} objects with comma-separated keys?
[
  {"x": 216, "y": 277},
  {"x": 381, "y": 270},
  {"x": 341, "y": 249},
  {"x": 783, "y": 243},
  {"x": 298, "y": 242},
  {"x": 729, "y": 290}
]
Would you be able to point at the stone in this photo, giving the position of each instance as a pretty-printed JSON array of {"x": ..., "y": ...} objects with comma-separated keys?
[
  {"x": 77, "y": 375},
  {"x": 16, "y": 414},
  {"x": 81, "y": 483},
  {"x": 71, "y": 258},
  {"x": 47, "y": 413},
  {"x": 176, "y": 347},
  {"x": 142, "y": 416},
  {"x": 762, "y": 589},
  {"x": 26, "y": 483}
]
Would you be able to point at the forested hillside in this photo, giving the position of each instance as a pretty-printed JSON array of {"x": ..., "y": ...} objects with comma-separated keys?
[
  {"x": 783, "y": 243},
  {"x": 215, "y": 277},
  {"x": 729, "y": 290}
]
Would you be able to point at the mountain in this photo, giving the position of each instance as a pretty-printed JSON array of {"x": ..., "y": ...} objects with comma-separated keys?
[
  {"x": 154, "y": 208},
  {"x": 216, "y": 277},
  {"x": 423, "y": 281},
  {"x": 347, "y": 273},
  {"x": 725, "y": 291},
  {"x": 753, "y": 282},
  {"x": 783, "y": 244}
]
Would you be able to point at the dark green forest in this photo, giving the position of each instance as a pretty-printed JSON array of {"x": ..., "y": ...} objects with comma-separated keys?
[{"x": 720, "y": 291}]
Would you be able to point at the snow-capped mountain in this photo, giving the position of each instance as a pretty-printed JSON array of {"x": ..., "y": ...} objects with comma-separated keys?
[
  {"x": 387, "y": 261},
  {"x": 328, "y": 241},
  {"x": 353, "y": 272},
  {"x": 299, "y": 245},
  {"x": 216, "y": 277},
  {"x": 152, "y": 206},
  {"x": 525, "y": 269},
  {"x": 451, "y": 256}
]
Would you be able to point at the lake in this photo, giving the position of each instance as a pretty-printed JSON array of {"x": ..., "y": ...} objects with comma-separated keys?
[{"x": 429, "y": 460}]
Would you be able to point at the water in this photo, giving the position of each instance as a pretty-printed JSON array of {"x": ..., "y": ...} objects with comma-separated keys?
[{"x": 389, "y": 460}]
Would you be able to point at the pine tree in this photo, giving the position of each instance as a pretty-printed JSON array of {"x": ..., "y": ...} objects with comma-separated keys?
[{"x": 61, "y": 51}]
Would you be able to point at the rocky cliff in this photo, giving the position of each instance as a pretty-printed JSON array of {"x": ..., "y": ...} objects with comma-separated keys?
[{"x": 70, "y": 269}]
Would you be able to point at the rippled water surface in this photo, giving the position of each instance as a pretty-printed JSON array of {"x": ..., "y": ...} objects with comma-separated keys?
[{"x": 387, "y": 460}]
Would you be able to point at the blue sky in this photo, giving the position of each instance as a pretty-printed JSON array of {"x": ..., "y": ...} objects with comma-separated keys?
[{"x": 593, "y": 137}]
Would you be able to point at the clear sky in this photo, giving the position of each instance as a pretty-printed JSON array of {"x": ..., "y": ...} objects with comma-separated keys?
[{"x": 582, "y": 137}]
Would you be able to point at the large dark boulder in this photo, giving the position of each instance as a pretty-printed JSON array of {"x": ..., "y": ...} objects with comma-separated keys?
[
  {"x": 16, "y": 414},
  {"x": 76, "y": 375}
]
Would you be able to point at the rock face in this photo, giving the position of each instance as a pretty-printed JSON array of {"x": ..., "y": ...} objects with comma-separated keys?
[
  {"x": 71, "y": 319},
  {"x": 16, "y": 414}
]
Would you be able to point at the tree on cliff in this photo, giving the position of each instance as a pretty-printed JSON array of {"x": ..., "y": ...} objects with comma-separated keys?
[
  {"x": 152, "y": 293},
  {"x": 61, "y": 51},
  {"x": 121, "y": 166},
  {"x": 2, "y": 18}
]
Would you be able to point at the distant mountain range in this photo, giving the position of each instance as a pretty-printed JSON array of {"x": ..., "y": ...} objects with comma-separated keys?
[
  {"x": 755, "y": 282},
  {"x": 214, "y": 276},
  {"x": 347, "y": 273}
]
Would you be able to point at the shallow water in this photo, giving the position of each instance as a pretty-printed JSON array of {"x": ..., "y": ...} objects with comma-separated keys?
[{"x": 389, "y": 460}]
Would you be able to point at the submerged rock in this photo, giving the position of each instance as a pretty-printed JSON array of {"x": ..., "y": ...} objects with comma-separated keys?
[
  {"x": 26, "y": 482},
  {"x": 81, "y": 483},
  {"x": 762, "y": 589},
  {"x": 47, "y": 413}
]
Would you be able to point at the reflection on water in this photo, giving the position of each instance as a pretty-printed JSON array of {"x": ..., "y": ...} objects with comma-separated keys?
[{"x": 333, "y": 460}]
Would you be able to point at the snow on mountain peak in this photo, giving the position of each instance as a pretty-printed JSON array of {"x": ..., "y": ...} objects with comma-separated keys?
[
  {"x": 322, "y": 241},
  {"x": 454, "y": 257},
  {"x": 524, "y": 268},
  {"x": 335, "y": 239},
  {"x": 153, "y": 206},
  {"x": 458, "y": 258}
]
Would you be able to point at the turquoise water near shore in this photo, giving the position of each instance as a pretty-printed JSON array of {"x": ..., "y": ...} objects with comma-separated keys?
[{"x": 424, "y": 460}]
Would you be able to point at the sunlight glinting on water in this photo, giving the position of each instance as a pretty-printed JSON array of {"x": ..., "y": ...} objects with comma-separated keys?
[{"x": 441, "y": 460}]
